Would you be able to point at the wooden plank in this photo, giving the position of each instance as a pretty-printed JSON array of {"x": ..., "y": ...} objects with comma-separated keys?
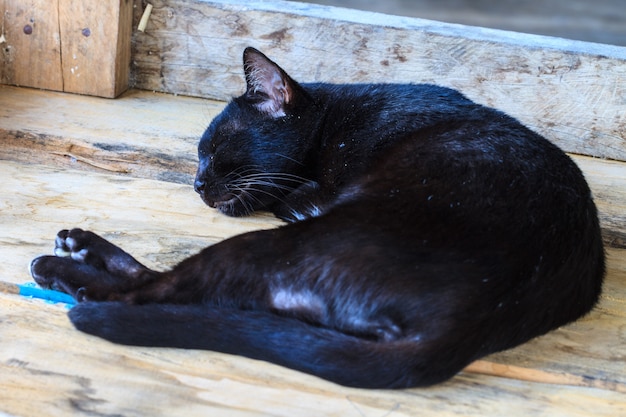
[
  {"x": 30, "y": 47},
  {"x": 41, "y": 200},
  {"x": 155, "y": 136},
  {"x": 96, "y": 46},
  {"x": 75, "y": 374},
  {"x": 600, "y": 21},
  {"x": 141, "y": 134},
  {"x": 607, "y": 180},
  {"x": 572, "y": 92}
]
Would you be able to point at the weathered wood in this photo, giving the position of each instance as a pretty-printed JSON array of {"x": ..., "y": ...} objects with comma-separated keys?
[
  {"x": 607, "y": 180},
  {"x": 600, "y": 21},
  {"x": 572, "y": 92},
  {"x": 39, "y": 201},
  {"x": 141, "y": 134},
  {"x": 96, "y": 39},
  {"x": 574, "y": 371},
  {"x": 148, "y": 135},
  {"x": 30, "y": 46},
  {"x": 74, "y": 46}
]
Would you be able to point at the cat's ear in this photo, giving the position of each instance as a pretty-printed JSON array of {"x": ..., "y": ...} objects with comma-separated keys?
[{"x": 267, "y": 85}]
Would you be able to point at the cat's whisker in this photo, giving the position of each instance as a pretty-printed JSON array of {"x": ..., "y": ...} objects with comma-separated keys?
[
  {"x": 268, "y": 184},
  {"x": 276, "y": 176},
  {"x": 290, "y": 159},
  {"x": 263, "y": 182},
  {"x": 247, "y": 191},
  {"x": 246, "y": 205}
]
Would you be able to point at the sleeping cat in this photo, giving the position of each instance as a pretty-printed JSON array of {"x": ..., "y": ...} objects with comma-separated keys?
[{"x": 425, "y": 231}]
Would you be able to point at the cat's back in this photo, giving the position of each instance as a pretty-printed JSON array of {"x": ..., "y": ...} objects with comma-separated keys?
[
  {"x": 417, "y": 127},
  {"x": 392, "y": 101},
  {"x": 420, "y": 151},
  {"x": 427, "y": 170},
  {"x": 377, "y": 115}
]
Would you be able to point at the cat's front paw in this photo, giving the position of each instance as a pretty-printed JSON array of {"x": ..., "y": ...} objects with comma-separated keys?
[
  {"x": 87, "y": 266},
  {"x": 76, "y": 244},
  {"x": 303, "y": 203}
]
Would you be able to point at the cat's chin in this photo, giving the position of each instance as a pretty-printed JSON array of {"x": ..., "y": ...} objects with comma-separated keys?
[
  {"x": 223, "y": 205},
  {"x": 219, "y": 202},
  {"x": 231, "y": 207}
]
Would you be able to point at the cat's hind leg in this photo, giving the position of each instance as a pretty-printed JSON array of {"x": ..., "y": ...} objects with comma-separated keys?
[
  {"x": 87, "y": 266},
  {"x": 322, "y": 351}
]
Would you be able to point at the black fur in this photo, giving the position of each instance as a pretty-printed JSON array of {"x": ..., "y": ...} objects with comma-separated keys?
[{"x": 426, "y": 231}]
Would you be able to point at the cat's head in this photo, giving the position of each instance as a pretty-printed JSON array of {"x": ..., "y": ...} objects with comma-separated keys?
[{"x": 254, "y": 153}]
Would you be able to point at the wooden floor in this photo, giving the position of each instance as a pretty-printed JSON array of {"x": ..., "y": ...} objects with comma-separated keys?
[{"x": 123, "y": 168}]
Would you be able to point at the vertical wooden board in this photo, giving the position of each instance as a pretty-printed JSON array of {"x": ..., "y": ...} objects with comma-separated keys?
[
  {"x": 95, "y": 38},
  {"x": 30, "y": 50},
  {"x": 123, "y": 47}
]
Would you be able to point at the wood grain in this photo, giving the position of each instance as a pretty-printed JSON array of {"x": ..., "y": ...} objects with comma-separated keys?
[
  {"x": 74, "y": 46},
  {"x": 31, "y": 52},
  {"x": 600, "y": 21},
  {"x": 43, "y": 200},
  {"x": 607, "y": 180},
  {"x": 572, "y": 92},
  {"x": 141, "y": 134},
  {"x": 46, "y": 365},
  {"x": 96, "y": 38}
]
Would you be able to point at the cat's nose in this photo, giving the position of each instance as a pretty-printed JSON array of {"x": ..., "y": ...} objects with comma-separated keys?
[{"x": 199, "y": 185}]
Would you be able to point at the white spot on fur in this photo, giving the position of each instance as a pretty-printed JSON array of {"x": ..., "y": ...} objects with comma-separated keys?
[
  {"x": 285, "y": 299},
  {"x": 79, "y": 256}
]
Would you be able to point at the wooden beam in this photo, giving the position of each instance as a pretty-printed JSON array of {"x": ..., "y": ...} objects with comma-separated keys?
[
  {"x": 30, "y": 45},
  {"x": 600, "y": 21},
  {"x": 572, "y": 92},
  {"x": 96, "y": 46},
  {"x": 74, "y": 46}
]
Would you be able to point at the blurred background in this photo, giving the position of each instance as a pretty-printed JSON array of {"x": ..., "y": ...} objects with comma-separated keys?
[{"x": 602, "y": 21}]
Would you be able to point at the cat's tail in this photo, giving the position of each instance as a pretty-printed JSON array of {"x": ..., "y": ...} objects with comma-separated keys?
[{"x": 327, "y": 353}]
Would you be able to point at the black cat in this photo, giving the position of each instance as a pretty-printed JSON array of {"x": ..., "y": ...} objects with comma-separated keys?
[{"x": 426, "y": 232}]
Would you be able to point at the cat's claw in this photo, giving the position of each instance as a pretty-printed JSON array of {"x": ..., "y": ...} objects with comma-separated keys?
[{"x": 81, "y": 295}]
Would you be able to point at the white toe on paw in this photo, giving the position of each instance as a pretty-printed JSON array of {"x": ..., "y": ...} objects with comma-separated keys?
[
  {"x": 70, "y": 242},
  {"x": 62, "y": 253},
  {"x": 80, "y": 255}
]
